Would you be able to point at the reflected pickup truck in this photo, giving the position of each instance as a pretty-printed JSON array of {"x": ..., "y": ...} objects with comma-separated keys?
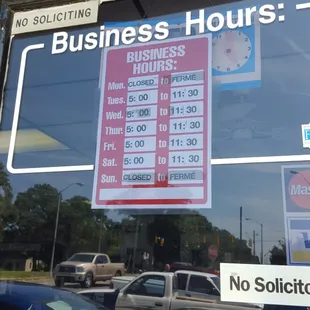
[
  {"x": 86, "y": 269},
  {"x": 155, "y": 290}
]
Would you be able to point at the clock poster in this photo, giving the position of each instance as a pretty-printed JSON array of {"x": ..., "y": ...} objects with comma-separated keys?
[
  {"x": 236, "y": 54},
  {"x": 236, "y": 60}
]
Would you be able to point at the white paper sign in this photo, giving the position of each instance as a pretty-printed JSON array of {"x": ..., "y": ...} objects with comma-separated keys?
[
  {"x": 305, "y": 131},
  {"x": 75, "y": 14},
  {"x": 265, "y": 284}
]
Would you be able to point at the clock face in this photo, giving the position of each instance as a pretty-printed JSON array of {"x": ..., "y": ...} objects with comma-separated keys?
[{"x": 231, "y": 50}]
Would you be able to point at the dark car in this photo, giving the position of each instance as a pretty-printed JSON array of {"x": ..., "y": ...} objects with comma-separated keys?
[{"x": 30, "y": 296}]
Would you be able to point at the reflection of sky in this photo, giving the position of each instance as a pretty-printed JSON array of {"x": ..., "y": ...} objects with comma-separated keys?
[
  {"x": 262, "y": 122},
  {"x": 60, "y": 98}
]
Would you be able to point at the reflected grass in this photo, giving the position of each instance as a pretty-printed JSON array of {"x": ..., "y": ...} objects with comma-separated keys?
[{"x": 22, "y": 275}]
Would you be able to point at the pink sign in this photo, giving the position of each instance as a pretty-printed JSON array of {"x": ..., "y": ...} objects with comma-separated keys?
[
  {"x": 154, "y": 136},
  {"x": 213, "y": 252},
  {"x": 298, "y": 189}
]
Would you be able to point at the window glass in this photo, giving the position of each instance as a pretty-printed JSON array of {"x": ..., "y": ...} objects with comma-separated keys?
[
  {"x": 133, "y": 287},
  {"x": 88, "y": 295},
  {"x": 217, "y": 282},
  {"x": 148, "y": 286},
  {"x": 104, "y": 260},
  {"x": 99, "y": 297},
  {"x": 200, "y": 284},
  {"x": 96, "y": 296},
  {"x": 256, "y": 130},
  {"x": 99, "y": 260},
  {"x": 69, "y": 103},
  {"x": 153, "y": 287},
  {"x": 85, "y": 258},
  {"x": 182, "y": 281}
]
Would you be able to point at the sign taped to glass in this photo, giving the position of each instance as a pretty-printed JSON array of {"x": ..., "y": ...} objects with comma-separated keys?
[
  {"x": 305, "y": 132},
  {"x": 154, "y": 138},
  {"x": 296, "y": 209},
  {"x": 298, "y": 241},
  {"x": 55, "y": 17},
  {"x": 265, "y": 284},
  {"x": 296, "y": 189}
]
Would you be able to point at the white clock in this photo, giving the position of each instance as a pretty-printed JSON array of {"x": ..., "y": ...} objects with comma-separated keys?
[{"x": 231, "y": 50}]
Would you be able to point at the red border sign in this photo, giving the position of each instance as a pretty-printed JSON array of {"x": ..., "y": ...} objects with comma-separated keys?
[
  {"x": 212, "y": 252},
  {"x": 154, "y": 135}
]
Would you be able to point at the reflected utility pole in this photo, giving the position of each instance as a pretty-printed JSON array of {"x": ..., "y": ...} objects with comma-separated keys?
[
  {"x": 261, "y": 238},
  {"x": 100, "y": 231},
  {"x": 240, "y": 237},
  {"x": 254, "y": 250},
  {"x": 56, "y": 224},
  {"x": 135, "y": 244}
]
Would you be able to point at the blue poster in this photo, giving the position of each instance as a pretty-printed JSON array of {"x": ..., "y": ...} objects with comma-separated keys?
[
  {"x": 298, "y": 241},
  {"x": 296, "y": 207}
]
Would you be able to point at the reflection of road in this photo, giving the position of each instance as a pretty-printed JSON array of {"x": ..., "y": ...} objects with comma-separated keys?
[
  {"x": 77, "y": 287},
  {"x": 74, "y": 287}
]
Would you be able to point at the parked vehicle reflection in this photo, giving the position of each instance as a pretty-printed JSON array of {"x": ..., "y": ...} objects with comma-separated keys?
[{"x": 30, "y": 296}]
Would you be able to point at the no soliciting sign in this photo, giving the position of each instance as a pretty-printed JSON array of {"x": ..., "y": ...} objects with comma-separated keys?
[{"x": 265, "y": 284}]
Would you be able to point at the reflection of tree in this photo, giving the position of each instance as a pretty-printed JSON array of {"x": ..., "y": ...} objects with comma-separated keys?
[
  {"x": 7, "y": 210},
  {"x": 186, "y": 232},
  {"x": 278, "y": 250},
  {"x": 33, "y": 221},
  {"x": 190, "y": 234}
]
